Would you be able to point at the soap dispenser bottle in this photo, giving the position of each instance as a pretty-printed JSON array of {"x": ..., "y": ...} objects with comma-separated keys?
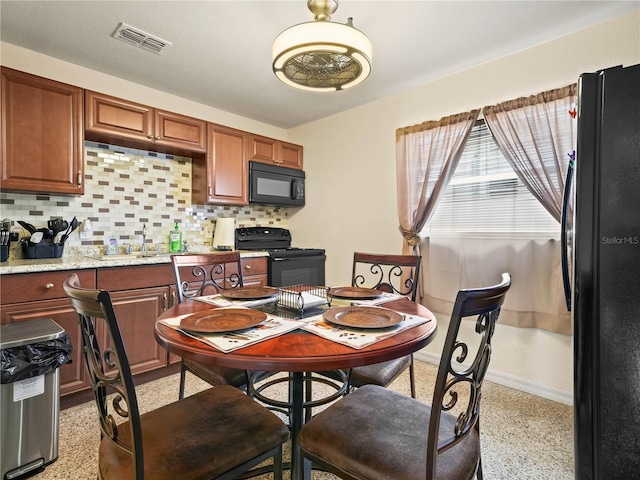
[
  {"x": 111, "y": 245},
  {"x": 175, "y": 240}
]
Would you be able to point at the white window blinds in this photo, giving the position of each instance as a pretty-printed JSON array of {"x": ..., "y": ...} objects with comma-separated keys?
[{"x": 485, "y": 197}]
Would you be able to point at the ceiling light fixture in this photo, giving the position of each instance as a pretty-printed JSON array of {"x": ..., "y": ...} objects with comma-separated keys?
[{"x": 322, "y": 55}]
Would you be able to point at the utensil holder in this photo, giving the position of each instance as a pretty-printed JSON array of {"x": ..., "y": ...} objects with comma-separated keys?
[
  {"x": 44, "y": 249},
  {"x": 4, "y": 253}
]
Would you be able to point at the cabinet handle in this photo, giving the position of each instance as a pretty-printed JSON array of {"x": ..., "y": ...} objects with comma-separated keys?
[
  {"x": 173, "y": 298},
  {"x": 209, "y": 191},
  {"x": 79, "y": 178},
  {"x": 166, "y": 301},
  {"x": 150, "y": 137},
  {"x": 49, "y": 285},
  {"x": 247, "y": 267},
  {"x": 156, "y": 138}
]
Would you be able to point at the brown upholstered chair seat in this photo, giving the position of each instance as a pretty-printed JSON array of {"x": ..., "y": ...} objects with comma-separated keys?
[
  {"x": 217, "y": 375},
  {"x": 201, "y": 433},
  {"x": 218, "y": 433},
  {"x": 379, "y": 373},
  {"x": 376, "y": 374},
  {"x": 375, "y": 433},
  {"x": 385, "y": 423}
]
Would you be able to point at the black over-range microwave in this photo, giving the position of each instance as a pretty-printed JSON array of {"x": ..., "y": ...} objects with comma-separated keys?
[{"x": 272, "y": 185}]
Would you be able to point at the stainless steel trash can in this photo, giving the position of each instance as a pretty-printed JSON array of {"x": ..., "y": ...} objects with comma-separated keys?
[{"x": 30, "y": 407}]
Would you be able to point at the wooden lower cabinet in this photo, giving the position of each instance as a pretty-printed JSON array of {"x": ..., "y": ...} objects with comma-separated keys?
[
  {"x": 137, "y": 311},
  {"x": 254, "y": 271},
  {"x": 73, "y": 377},
  {"x": 32, "y": 296},
  {"x": 139, "y": 294}
]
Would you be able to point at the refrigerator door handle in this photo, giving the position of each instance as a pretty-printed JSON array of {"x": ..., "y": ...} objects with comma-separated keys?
[{"x": 564, "y": 234}]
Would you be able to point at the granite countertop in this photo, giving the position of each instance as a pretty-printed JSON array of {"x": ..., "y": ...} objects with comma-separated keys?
[{"x": 79, "y": 260}]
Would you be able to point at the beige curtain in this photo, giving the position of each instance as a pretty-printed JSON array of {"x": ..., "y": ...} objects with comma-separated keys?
[
  {"x": 426, "y": 158},
  {"x": 536, "y": 135},
  {"x": 536, "y": 297}
]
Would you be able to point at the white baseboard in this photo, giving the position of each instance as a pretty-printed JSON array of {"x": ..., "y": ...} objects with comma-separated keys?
[{"x": 511, "y": 381}]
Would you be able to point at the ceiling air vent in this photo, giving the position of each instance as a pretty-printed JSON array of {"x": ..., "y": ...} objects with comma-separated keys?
[{"x": 138, "y": 38}]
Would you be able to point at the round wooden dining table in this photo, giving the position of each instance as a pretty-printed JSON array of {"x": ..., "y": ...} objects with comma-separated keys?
[{"x": 297, "y": 352}]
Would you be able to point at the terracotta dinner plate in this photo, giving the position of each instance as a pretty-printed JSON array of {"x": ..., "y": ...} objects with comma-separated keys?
[
  {"x": 355, "y": 292},
  {"x": 222, "y": 320},
  {"x": 363, "y": 317},
  {"x": 249, "y": 293}
]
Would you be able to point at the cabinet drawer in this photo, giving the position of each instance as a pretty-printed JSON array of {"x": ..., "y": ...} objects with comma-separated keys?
[
  {"x": 254, "y": 266},
  {"x": 129, "y": 278},
  {"x": 30, "y": 287}
]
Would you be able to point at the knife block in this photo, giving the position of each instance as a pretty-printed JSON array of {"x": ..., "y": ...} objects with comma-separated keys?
[{"x": 44, "y": 249}]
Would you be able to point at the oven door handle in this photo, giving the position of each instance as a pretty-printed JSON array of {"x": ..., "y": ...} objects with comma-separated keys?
[{"x": 279, "y": 259}]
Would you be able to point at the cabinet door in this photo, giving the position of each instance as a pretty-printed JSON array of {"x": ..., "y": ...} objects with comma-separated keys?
[
  {"x": 173, "y": 301},
  {"x": 254, "y": 271},
  {"x": 274, "y": 152},
  {"x": 291, "y": 155},
  {"x": 263, "y": 149},
  {"x": 73, "y": 377},
  {"x": 173, "y": 130},
  {"x": 42, "y": 135},
  {"x": 222, "y": 178},
  {"x": 137, "y": 311},
  {"x": 109, "y": 119}
]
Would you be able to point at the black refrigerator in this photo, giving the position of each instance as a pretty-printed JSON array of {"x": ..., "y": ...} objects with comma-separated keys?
[{"x": 606, "y": 276}]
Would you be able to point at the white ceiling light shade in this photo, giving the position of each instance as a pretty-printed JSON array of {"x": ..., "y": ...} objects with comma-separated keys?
[{"x": 322, "y": 55}]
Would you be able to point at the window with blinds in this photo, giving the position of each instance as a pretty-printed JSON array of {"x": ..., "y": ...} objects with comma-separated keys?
[{"x": 486, "y": 197}]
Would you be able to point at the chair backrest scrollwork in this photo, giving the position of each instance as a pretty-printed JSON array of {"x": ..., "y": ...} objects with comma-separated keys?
[
  {"x": 397, "y": 274},
  {"x": 106, "y": 362},
  {"x": 206, "y": 274},
  {"x": 461, "y": 373}
]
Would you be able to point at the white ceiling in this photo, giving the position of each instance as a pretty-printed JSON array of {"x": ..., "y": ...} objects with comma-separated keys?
[{"x": 221, "y": 52}]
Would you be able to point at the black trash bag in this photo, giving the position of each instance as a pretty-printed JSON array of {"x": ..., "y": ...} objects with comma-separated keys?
[{"x": 31, "y": 360}]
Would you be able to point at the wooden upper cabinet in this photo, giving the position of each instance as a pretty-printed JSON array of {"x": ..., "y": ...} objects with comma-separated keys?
[
  {"x": 42, "y": 135},
  {"x": 222, "y": 178},
  {"x": 173, "y": 130},
  {"x": 291, "y": 155},
  {"x": 275, "y": 152},
  {"x": 121, "y": 122}
]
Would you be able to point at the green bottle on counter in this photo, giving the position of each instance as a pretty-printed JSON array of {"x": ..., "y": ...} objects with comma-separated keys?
[{"x": 175, "y": 240}]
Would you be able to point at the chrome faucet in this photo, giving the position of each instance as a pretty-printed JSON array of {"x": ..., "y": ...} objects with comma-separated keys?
[{"x": 143, "y": 247}]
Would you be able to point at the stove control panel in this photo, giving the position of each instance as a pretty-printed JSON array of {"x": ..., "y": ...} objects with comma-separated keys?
[{"x": 262, "y": 238}]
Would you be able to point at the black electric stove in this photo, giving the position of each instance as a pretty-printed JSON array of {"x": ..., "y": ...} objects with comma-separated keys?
[
  {"x": 287, "y": 265},
  {"x": 276, "y": 241}
]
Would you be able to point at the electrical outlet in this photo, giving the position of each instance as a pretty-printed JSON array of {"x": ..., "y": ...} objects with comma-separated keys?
[{"x": 88, "y": 235}]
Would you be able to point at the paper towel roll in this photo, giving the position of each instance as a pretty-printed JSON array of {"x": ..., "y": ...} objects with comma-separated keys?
[{"x": 224, "y": 235}]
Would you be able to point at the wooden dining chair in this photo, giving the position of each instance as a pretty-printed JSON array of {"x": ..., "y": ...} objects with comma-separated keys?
[
  {"x": 207, "y": 274},
  {"x": 376, "y": 433},
  {"x": 397, "y": 274},
  {"x": 218, "y": 433}
]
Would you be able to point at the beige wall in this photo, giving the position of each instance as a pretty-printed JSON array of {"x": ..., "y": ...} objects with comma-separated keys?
[{"x": 350, "y": 165}]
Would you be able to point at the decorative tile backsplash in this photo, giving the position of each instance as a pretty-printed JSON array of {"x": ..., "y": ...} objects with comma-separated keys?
[{"x": 126, "y": 188}]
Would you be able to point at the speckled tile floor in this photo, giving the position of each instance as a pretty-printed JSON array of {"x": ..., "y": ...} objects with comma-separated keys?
[{"x": 524, "y": 437}]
